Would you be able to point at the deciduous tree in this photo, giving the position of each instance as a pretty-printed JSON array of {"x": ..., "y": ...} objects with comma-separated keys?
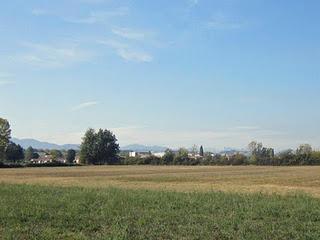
[
  {"x": 168, "y": 157},
  {"x": 14, "y": 152},
  {"x": 30, "y": 153},
  {"x": 182, "y": 157},
  {"x": 5, "y": 134},
  {"x": 71, "y": 155},
  {"x": 55, "y": 154},
  {"x": 99, "y": 147}
]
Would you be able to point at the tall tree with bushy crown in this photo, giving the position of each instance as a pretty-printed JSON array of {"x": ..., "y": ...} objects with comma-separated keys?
[
  {"x": 5, "y": 135},
  {"x": 71, "y": 155},
  {"x": 99, "y": 147}
]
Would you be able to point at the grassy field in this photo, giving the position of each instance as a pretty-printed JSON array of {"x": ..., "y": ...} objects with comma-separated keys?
[
  {"x": 40, "y": 212},
  {"x": 178, "y": 178},
  {"x": 151, "y": 202}
]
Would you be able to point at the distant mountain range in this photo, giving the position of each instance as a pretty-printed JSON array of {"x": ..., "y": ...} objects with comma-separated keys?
[
  {"x": 143, "y": 148},
  {"x": 27, "y": 142}
]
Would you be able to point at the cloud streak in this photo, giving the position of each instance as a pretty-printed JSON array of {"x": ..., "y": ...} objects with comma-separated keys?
[
  {"x": 130, "y": 33},
  {"x": 5, "y": 79},
  {"x": 44, "y": 55},
  {"x": 193, "y": 3},
  {"x": 85, "y": 105},
  {"x": 52, "y": 56},
  {"x": 221, "y": 22},
  {"x": 246, "y": 128},
  {"x": 93, "y": 17},
  {"x": 99, "y": 16},
  {"x": 39, "y": 12},
  {"x": 126, "y": 52},
  {"x": 6, "y": 82},
  {"x": 93, "y": 1}
]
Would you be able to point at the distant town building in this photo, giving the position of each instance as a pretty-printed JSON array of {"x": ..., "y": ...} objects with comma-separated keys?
[
  {"x": 42, "y": 159},
  {"x": 46, "y": 158},
  {"x": 159, "y": 154},
  {"x": 132, "y": 154},
  {"x": 77, "y": 160},
  {"x": 194, "y": 155},
  {"x": 61, "y": 160},
  {"x": 140, "y": 154}
]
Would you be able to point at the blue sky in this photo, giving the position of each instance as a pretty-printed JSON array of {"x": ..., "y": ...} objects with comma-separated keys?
[{"x": 214, "y": 72}]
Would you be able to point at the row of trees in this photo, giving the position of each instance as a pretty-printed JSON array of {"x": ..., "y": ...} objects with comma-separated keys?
[
  {"x": 101, "y": 147},
  {"x": 286, "y": 158},
  {"x": 13, "y": 153},
  {"x": 303, "y": 155},
  {"x": 258, "y": 155},
  {"x": 181, "y": 158}
]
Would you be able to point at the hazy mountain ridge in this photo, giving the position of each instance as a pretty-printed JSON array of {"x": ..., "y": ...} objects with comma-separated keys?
[
  {"x": 27, "y": 142},
  {"x": 143, "y": 148}
]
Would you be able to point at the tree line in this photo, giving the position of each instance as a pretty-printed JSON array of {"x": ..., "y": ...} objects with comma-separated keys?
[
  {"x": 13, "y": 153},
  {"x": 101, "y": 147},
  {"x": 304, "y": 155}
]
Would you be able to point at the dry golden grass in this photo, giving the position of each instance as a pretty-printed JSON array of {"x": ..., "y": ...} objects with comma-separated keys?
[{"x": 178, "y": 178}]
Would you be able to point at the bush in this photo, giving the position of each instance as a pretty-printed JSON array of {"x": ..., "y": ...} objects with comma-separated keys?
[
  {"x": 51, "y": 164},
  {"x": 10, "y": 165}
]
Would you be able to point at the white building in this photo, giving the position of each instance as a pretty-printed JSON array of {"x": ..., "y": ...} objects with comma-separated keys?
[
  {"x": 132, "y": 154},
  {"x": 140, "y": 154},
  {"x": 77, "y": 160},
  {"x": 159, "y": 154}
]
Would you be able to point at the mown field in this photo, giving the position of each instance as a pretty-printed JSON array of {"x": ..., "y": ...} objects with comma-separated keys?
[
  {"x": 150, "y": 202},
  {"x": 268, "y": 179}
]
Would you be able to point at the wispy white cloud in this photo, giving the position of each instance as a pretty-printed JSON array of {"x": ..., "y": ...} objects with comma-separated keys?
[
  {"x": 6, "y": 82},
  {"x": 93, "y": 17},
  {"x": 193, "y": 3},
  {"x": 99, "y": 16},
  {"x": 128, "y": 53},
  {"x": 6, "y": 79},
  {"x": 114, "y": 44},
  {"x": 39, "y": 12},
  {"x": 246, "y": 128},
  {"x": 93, "y": 1},
  {"x": 131, "y": 33},
  {"x": 221, "y": 22},
  {"x": 43, "y": 55},
  {"x": 133, "y": 55},
  {"x": 5, "y": 75},
  {"x": 85, "y": 105}
]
